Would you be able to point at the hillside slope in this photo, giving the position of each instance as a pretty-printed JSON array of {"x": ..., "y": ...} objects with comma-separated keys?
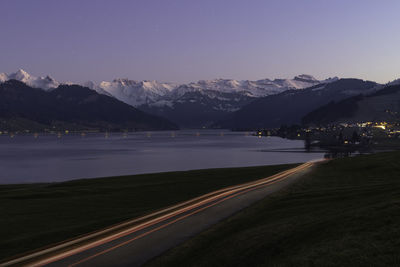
[
  {"x": 69, "y": 107},
  {"x": 344, "y": 213},
  {"x": 383, "y": 105},
  {"x": 290, "y": 106}
]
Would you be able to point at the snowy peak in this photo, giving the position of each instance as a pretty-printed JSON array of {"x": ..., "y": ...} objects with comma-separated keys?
[
  {"x": 298, "y": 82},
  {"x": 257, "y": 88},
  {"x": 134, "y": 92},
  {"x": 394, "y": 82},
  {"x": 330, "y": 80},
  {"x": 46, "y": 83},
  {"x": 20, "y": 75},
  {"x": 137, "y": 93},
  {"x": 151, "y": 86},
  {"x": 305, "y": 78},
  {"x": 146, "y": 92},
  {"x": 3, "y": 77}
]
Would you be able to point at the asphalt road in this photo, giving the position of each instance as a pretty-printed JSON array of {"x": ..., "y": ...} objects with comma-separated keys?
[{"x": 142, "y": 239}]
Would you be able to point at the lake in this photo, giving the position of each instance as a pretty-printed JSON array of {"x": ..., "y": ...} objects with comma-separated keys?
[{"x": 50, "y": 158}]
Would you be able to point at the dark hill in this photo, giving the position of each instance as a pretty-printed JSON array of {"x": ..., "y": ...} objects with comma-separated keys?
[
  {"x": 70, "y": 107},
  {"x": 290, "y": 106},
  {"x": 383, "y": 105}
]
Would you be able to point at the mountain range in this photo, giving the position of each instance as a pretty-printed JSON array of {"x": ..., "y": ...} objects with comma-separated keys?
[
  {"x": 203, "y": 103},
  {"x": 219, "y": 103},
  {"x": 289, "y": 107},
  {"x": 192, "y": 105}
]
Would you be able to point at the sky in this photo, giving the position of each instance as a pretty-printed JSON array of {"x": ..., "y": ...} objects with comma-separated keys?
[{"x": 190, "y": 40}]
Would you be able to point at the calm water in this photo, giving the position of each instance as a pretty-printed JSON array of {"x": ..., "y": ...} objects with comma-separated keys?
[{"x": 25, "y": 159}]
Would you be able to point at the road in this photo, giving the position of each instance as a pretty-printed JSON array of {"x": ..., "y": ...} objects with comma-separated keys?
[{"x": 135, "y": 242}]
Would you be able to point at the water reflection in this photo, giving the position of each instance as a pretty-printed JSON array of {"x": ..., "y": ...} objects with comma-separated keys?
[{"x": 43, "y": 158}]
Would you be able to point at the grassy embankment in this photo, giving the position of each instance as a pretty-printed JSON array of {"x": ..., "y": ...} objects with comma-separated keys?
[
  {"x": 345, "y": 213},
  {"x": 36, "y": 215}
]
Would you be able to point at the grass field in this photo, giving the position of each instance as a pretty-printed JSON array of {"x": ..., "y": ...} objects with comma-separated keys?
[
  {"x": 36, "y": 215},
  {"x": 345, "y": 213}
]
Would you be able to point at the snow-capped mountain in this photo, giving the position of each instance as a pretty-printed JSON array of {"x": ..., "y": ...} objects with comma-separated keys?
[
  {"x": 133, "y": 92},
  {"x": 138, "y": 93},
  {"x": 195, "y": 104},
  {"x": 394, "y": 82},
  {"x": 288, "y": 108},
  {"x": 46, "y": 83},
  {"x": 257, "y": 88},
  {"x": 93, "y": 86},
  {"x": 3, "y": 77},
  {"x": 72, "y": 107},
  {"x": 201, "y": 103}
]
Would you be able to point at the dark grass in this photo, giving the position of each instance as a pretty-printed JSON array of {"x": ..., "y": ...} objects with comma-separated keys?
[
  {"x": 36, "y": 215},
  {"x": 344, "y": 213}
]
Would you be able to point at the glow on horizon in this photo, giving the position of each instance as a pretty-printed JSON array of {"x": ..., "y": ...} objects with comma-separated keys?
[{"x": 181, "y": 41}]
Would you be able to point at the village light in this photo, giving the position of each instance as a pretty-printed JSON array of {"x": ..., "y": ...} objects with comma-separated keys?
[{"x": 383, "y": 127}]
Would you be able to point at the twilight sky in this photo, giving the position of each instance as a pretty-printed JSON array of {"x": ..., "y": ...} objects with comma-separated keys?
[{"x": 189, "y": 40}]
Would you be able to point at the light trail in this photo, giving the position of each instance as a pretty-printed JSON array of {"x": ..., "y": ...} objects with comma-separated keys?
[{"x": 164, "y": 217}]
